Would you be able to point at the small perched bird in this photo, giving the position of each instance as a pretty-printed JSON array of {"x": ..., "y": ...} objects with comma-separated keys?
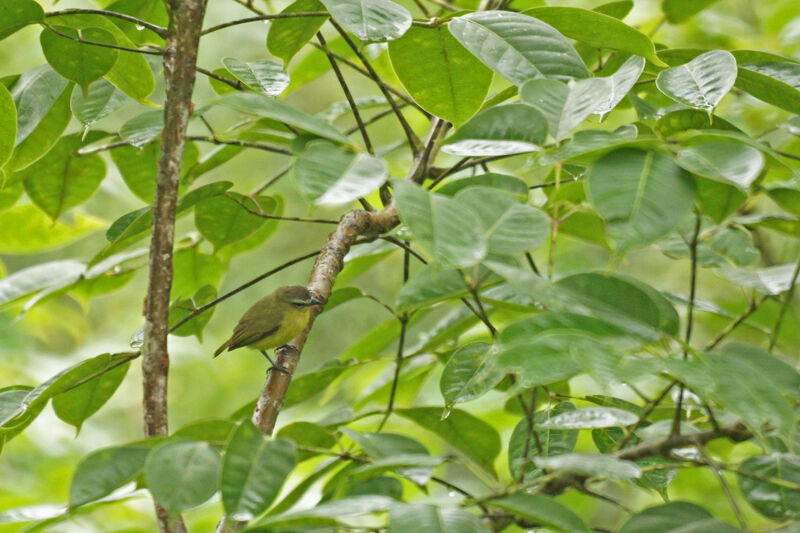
[{"x": 273, "y": 321}]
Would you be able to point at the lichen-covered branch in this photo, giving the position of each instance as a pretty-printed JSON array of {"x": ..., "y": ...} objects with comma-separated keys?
[{"x": 180, "y": 58}]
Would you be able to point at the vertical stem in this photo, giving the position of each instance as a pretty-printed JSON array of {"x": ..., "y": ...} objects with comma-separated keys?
[
  {"x": 785, "y": 307},
  {"x": 676, "y": 421},
  {"x": 180, "y": 58}
]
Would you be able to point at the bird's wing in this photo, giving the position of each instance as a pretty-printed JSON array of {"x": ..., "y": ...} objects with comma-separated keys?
[{"x": 247, "y": 333}]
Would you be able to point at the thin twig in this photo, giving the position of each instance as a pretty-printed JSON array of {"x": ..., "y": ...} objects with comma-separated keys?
[
  {"x": 751, "y": 308},
  {"x": 268, "y": 16},
  {"x": 737, "y": 511},
  {"x": 102, "y": 45},
  {"x": 271, "y": 181},
  {"x": 676, "y": 421},
  {"x": 773, "y": 340},
  {"x": 347, "y": 93},
  {"x": 398, "y": 364},
  {"x": 269, "y": 216},
  {"x": 245, "y": 144},
  {"x": 158, "y": 30},
  {"x": 236, "y": 84}
]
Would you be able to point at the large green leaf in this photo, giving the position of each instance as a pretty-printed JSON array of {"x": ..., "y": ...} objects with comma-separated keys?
[
  {"x": 591, "y": 465},
  {"x": 226, "y": 219},
  {"x": 598, "y": 30},
  {"x": 776, "y": 502},
  {"x": 182, "y": 474},
  {"x": 102, "y": 100},
  {"x": 675, "y": 517},
  {"x": 622, "y": 81},
  {"x": 131, "y": 72},
  {"x": 76, "y": 61},
  {"x": 103, "y": 471},
  {"x": 509, "y": 227},
  {"x": 619, "y": 9},
  {"x": 263, "y": 76},
  {"x": 329, "y": 175},
  {"x": 565, "y": 105},
  {"x": 542, "y": 510},
  {"x": 256, "y": 104},
  {"x": 768, "y": 280},
  {"x": 41, "y": 233},
  {"x": 702, "y": 82},
  {"x": 440, "y": 225},
  {"x": 389, "y": 445},
  {"x": 777, "y": 83},
  {"x": 469, "y": 373},
  {"x": 591, "y": 417},
  {"x": 430, "y": 285},
  {"x": 470, "y": 435},
  {"x": 642, "y": 195},
  {"x": 518, "y": 47},
  {"x": 440, "y": 74},
  {"x": 76, "y": 405},
  {"x": 728, "y": 162},
  {"x": 433, "y": 519},
  {"x": 253, "y": 471},
  {"x": 63, "y": 179},
  {"x": 500, "y": 130},
  {"x": 678, "y": 11},
  {"x": 35, "y": 93},
  {"x": 502, "y": 182},
  {"x": 45, "y": 134},
  {"x": 370, "y": 20},
  {"x": 8, "y": 125},
  {"x": 522, "y": 446},
  {"x": 16, "y": 14},
  {"x": 183, "y": 307},
  {"x": 325, "y": 514},
  {"x": 288, "y": 35},
  {"x": 143, "y": 128},
  {"x": 28, "y": 281}
]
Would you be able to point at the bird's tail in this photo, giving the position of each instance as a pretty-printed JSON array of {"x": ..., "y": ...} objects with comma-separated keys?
[{"x": 222, "y": 348}]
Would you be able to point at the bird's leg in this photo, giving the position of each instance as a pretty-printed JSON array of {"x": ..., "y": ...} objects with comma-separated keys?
[
  {"x": 291, "y": 347},
  {"x": 276, "y": 367}
]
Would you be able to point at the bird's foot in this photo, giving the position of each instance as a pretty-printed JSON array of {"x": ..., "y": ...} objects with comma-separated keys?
[
  {"x": 291, "y": 347},
  {"x": 279, "y": 368}
]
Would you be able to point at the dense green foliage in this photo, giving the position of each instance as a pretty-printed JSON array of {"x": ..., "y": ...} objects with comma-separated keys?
[{"x": 585, "y": 320}]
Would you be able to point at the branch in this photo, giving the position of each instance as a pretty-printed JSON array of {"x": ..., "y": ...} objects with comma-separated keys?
[
  {"x": 271, "y": 16},
  {"x": 245, "y": 144},
  {"x": 158, "y": 30},
  {"x": 236, "y": 84},
  {"x": 785, "y": 307},
  {"x": 180, "y": 58},
  {"x": 102, "y": 45}
]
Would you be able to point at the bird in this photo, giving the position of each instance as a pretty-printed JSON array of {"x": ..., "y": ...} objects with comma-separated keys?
[{"x": 273, "y": 321}]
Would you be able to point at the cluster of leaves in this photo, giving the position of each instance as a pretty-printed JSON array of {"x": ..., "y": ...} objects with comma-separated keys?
[{"x": 668, "y": 175}]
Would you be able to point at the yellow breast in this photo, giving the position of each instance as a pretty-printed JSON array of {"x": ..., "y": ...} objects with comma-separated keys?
[{"x": 293, "y": 323}]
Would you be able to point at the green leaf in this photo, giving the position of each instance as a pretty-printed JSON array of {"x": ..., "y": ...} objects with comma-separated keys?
[
  {"x": 723, "y": 161},
  {"x": 622, "y": 81},
  {"x": 776, "y": 502},
  {"x": 263, "y": 76},
  {"x": 103, "y": 471},
  {"x": 678, "y": 11},
  {"x": 675, "y": 517},
  {"x": 194, "y": 270},
  {"x": 503, "y": 182},
  {"x": 10, "y": 194},
  {"x": 775, "y": 83},
  {"x": 308, "y": 435},
  {"x": 389, "y": 445},
  {"x": 41, "y": 233},
  {"x": 370, "y": 20},
  {"x": 256, "y": 104},
  {"x": 329, "y": 175},
  {"x": 682, "y": 120},
  {"x": 591, "y": 417},
  {"x": 565, "y": 105},
  {"x": 542, "y": 510},
  {"x": 499, "y": 130},
  {"x": 77, "y": 61},
  {"x": 597, "y": 30},
  {"x": 214, "y": 431},
  {"x": 182, "y": 307},
  {"x": 138, "y": 167},
  {"x": 619, "y": 10},
  {"x": 8, "y": 125},
  {"x": 102, "y": 100},
  {"x": 312, "y": 383},
  {"x": 722, "y": 245},
  {"x": 76, "y": 405},
  {"x": 768, "y": 280},
  {"x": 226, "y": 219},
  {"x": 518, "y": 47},
  {"x": 642, "y": 195},
  {"x": 522, "y": 447},
  {"x": 702, "y": 82},
  {"x": 440, "y": 225},
  {"x": 209, "y": 161},
  {"x": 182, "y": 474},
  {"x": 470, "y": 435},
  {"x": 440, "y": 74},
  {"x": 325, "y": 514},
  {"x": 63, "y": 179},
  {"x": 429, "y": 286},
  {"x": 509, "y": 226},
  {"x": 253, "y": 471},
  {"x": 433, "y": 519},
  {"x": 16, "y": 14},
  {"x": 143, "y": 128},
  {"x": 584, "y": 464},
  {"x": 131, "y": 73},
  {"x": 35, "y": 93},
  {"x": 469, "y": 373},
  {"x": 45, "y": 134},
  {"x": 287, "y": 36},
  {"x": 12, "y": 402}
]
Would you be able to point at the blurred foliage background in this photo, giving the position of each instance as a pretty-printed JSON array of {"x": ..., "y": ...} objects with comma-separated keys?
[{"x": 36, "y": 467}]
